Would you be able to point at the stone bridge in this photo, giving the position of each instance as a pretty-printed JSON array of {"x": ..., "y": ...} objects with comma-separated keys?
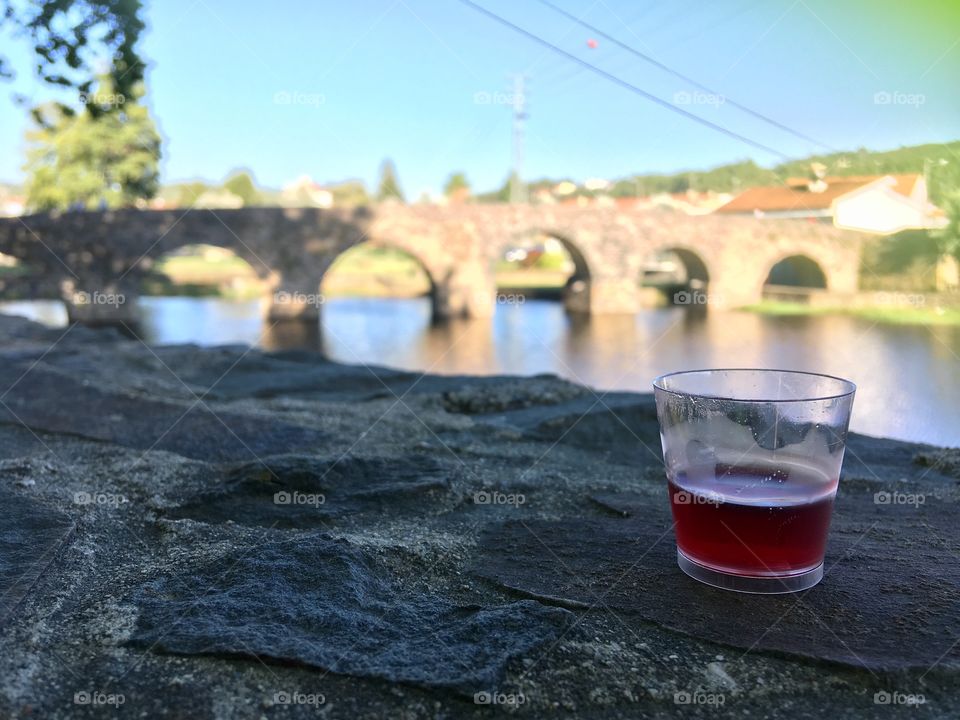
[{"x": 80, "y": 256}]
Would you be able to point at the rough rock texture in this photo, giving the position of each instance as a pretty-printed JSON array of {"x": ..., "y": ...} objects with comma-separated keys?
[
  {"x": 230, "y": 533},
  {"x": 324, "y": 603},
  {"x": 30, "y": 536}
]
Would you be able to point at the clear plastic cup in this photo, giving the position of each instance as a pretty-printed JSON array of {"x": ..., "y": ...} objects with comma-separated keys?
[{"x": 752, "y": 458}]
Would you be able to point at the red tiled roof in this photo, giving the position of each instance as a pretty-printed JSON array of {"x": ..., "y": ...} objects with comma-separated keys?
[
  {"x": 785, "y": 198},
  {"x": 773, "y": 199}
]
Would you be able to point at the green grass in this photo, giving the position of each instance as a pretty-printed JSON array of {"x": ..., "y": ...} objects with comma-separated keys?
[{"x": 890, "y": 315}]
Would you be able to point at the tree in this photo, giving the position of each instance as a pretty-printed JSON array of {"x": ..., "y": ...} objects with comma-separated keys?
[
  {"x": 90, "y": 161},
  {"x": 350, "y": 193},
  {"x": 457, "y": 184},
  {"x": 241, "y": 184},
  {"x": 186, "y": 194},
  {"x": 949, "y": 236},
  {"x": 70, "y": 38},
  {"x": 389, "y": 188}
]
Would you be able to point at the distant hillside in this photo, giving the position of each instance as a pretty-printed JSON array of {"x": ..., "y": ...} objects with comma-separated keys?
[{"x": 734, "y": 177}]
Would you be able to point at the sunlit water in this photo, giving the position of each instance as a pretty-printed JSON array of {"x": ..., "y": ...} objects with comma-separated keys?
[{"x": 908, "y": 377}]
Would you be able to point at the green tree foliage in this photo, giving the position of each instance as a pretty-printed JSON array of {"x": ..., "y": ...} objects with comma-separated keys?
[
  {"x": 949, "y": 237},
  {"x": 186, "y": 194},
  {"x": 241, "y": 184},
  {"x": 70, "y": 37},
  {"x": 351, "y": 193},
  {"x": 937, "y": 161},
  {"x": 90, "y": 161},
  {"x": 456, "y": 183},
  {"x": 389, "y": 188}
]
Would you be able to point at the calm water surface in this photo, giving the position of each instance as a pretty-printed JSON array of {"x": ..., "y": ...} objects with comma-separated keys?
[{"x": 908, "y": 377}]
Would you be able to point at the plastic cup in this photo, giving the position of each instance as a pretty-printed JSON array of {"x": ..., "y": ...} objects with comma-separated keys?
[{"x": 752, "y": 459}]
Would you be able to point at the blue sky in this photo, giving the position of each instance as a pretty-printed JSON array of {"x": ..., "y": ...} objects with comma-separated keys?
[{"x": 370, "y": 79}]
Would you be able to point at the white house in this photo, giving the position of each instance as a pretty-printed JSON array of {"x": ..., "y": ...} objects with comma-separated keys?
[
  {"x": 887, "y": 205},
  {"x": 881, "y": 204}
]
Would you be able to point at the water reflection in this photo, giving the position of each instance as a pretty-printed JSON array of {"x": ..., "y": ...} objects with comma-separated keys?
[{"x": 907, "y": 376}]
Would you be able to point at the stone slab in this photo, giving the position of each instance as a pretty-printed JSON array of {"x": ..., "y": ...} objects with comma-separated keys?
[{"x": 328, "y": 604}]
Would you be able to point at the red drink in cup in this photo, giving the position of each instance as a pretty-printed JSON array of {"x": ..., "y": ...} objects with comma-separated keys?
[{"x": 752, "y": 460}]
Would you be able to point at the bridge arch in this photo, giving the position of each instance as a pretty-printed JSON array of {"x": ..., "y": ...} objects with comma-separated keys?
[
  {"x": 192, "y": 268},
  {"x": 413, "y": 277},
  {"x": 680, "y": 272},
  {"x": 576, "y": 290},
  {"x": 797, "y": 270}
]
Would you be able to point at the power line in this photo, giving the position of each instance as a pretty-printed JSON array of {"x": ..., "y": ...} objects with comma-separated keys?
[
  {"x": 623, "y": 83},
  {"x": 685, "y": 78}
]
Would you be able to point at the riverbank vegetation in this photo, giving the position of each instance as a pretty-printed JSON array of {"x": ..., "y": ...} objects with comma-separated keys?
[{"x": 934, "y": 315}]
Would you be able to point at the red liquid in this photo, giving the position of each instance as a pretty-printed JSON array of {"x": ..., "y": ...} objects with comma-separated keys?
[{"x": 753, "y": 521}]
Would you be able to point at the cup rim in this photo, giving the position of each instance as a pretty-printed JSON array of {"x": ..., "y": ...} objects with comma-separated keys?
[{"x": 659, "y": 385}]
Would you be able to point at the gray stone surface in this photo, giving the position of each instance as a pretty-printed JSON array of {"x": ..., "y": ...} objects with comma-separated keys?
[
  {"x": 31, "y": 535},
  {"x": 303, "y": 491},
  {"x": 504, "y": 527},
  {"x": 34, "y": 396},
  {"x": 324, "y": 602},
  {"x": 889, "y": 599}
]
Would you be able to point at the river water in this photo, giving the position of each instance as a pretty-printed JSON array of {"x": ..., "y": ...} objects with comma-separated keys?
[{"x": 908, "y": 377}]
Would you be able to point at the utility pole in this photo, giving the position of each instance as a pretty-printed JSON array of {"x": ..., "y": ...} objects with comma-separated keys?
[{"x": 518, "y": 190}]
